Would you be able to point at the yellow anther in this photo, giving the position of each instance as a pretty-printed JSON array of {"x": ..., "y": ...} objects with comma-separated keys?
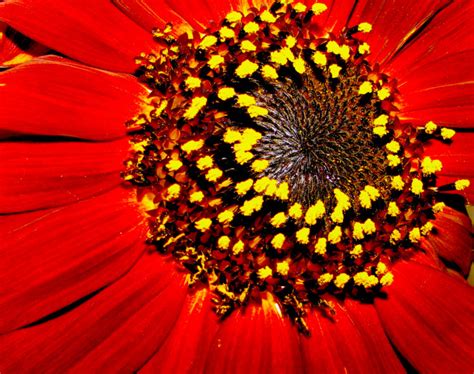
[
  {"x": 414, "y": 235},
  {"x": 387, "y": 279},
  {"x": 447, "y": 134},
  {"x": 364, "y": 27},
  {"x": 247, "y": 46},
  {"x": 325, "y": 279},
  {"x": 207, "y": 41},
  {"x": 232, "y": 136},
  {"x": 320, "y": 246},
  {"x": 261, "y": 184},
  {"x": 365, "y": 280},
  {"x": 278, "y": 57},
  {"x": 196, "y": 197},
  {"x": 173, "y": 192},
  {"x": 337, "y": 215},
  {"x": 393, "y": 160},
  {"x": 343, "y": 201},
  {"x": 251, "y": 27},
  {"x": 223, "y": 242},
  {"x": 196, "y": 105},
  {"x": 381, "y": 120},
  {"x": 252, "y": 205},
  {"x": 204, "y": 163},
  {"x": 344, "y": 52},
  {"x": 272, "y": 187},
  {"x": 174, "y": 165},
  {"x": 335, "y": 235},
  {"x": 461, "y": 184},
  {"x": 295, "y": 211},
  {"x": 148, "y": 202},
  {"x": 226, "y": 93},
  {"x": 383, "y": 93},
  {"x": 269, "y": 72},
  {"x": 319, "y": 58},
  {"x": 429, "y": 166},
  {"x": 393, "y": 209},
  {"x": 233, "y": 16},
  {"x": 278, "y": 241},
  {"x": 438, "y": 207},
  {"x": 395, "y": 237},
  {"x": 226, "y": 33},
  {"x": 314, "y": 212},
  {"x": 257, "y": 111},
  {"x": 365, "y": 200},
  {"x": 203, "y": 224},
  {"x": 214, "y": 174},
  {"x": 243, "y": 187},
  {"x": 161, "y": 108},
  {"x": 290, "y": 41},
  {"x": 334, "y": 69},
  {"x": 215, "y": 61},
  {"x": 431, "y": 127},
  {"x": 245, "y": 100},
  {"x": 365, "y": 88},
  {"x": 283, "y": 191},
  {"x": 358, "y": 231},
  {"x": 260, "y": 165},
  {"x": 278, "y": 219},
  {"x": 364, "y": 49},
  {"x": 283, "y": 267},
  {"x": 369, "y": 226},
  {"x": 302, "y": 235},
  {"x": 266, "y": 16},
  {"x": 341, "y": 280},
  {"x": 265, "y": 272},
  {"x": 372, "y": 191},
  {"x": 426, "y": 228},
  {"x": 226, "y": 216},
  {"x": 251, "y": 136},
  {"x": 416, "y": 186},
  {"x": 299, "y": 8},
  {"x": 397, "y": 183},
  {"x": 393, "y": 146},
  {"x": 380, "y": 131},
  {"x": 299, "y": 65},
  {"x": 357, "y": 250},
  {"x": 246, "y": 68},
  {"x": 381, "y": 269},
  {"x": 333, "y": 47},
  {"x": 319, "y": 8},
  {"x": 192, "y": 82},
  {"x": 243, "y": 157},
  {"x": 238, "y": 248}
]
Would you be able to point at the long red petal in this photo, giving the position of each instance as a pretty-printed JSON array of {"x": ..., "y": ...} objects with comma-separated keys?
[
  {"x": 428, "y": 317},
  {"x": 54, "y": 96},
  {"x": 45, "y": 175},
  {"x": 53, "y": 258},
  {"x": 91, "y": 31},
  {"x": 116, "y": 331}
]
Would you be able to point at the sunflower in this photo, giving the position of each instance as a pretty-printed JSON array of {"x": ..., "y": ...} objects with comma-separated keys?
[{"x": 237, "y": 186}]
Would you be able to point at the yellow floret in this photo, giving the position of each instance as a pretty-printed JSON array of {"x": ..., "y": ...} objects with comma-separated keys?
[
  {"x": 430, "y": 127},
  {"x": 397, "y": 183},
  {"x": 207, "y": 41},
  {"x": 223, "y": 242},
  {"x": 215, "y": 61},
  {"x": 341, "y": 280},
  {"x": 383, "y": 93},
  {"x": 278, "y": 241},
  {"x": 447, "y": 134},
  {"x": 320, "y": 246},
  {"x": 335, "y": 235},
  {"x": 283, "y": 191},
  {"x": 290, "y": 41},
  {"x": 295, "y": 211},
  {"x": 364, "y": 49},
  {"x": 393, "y": 146},
  {"x": 438, "y": 207},
  {"x": 226, "y": 93},
  {"x": 252, "y": 205},
  {"x": 247, "y": 46},
  {"x": 203, "y": 224},
  {"x": 334, "y": 69},
  {"x": 325, "y": 279},
  {"x": 238, "y": 248},
  {"x": 299, "y": 65},
  {"x": 315, "y": 212},
  {"x": 251, "y": 27},
  {"x": 266, "y": 16},
  {"x": 319, "y": 58},
  {"x": 246, "y": 68},
  {"x": 365, "y": 88},
  {"x": 393, "y": 209},
  {"x": 319, "y": 8},
  {"x": 173, "y": 192},
  {"x": 365, "y": 280},
  {"x": 214, "y": 174},
  {"x": 380, "y": 131},
  {"x": 196, "y": 105},
  {"x": 261, "y": 184},
  {"x": 278, "y": 57},
  {"x": 387, "y": 279},
  {"x": 192, "y": 82},
  {"x": 174, "y": 165},
  {"x": 232, "y": 136},
  {"x": 381, "y": 120},
  {"x": 358, "y": 231},
  {"x": 416, "y": 186},
  {"x": 196, "y": 197},
  {"x": 204, "y": 162},
  {"x": 265, "y": 272},
  {"x": 226, "y": 216},
  {"x": 357, "y": 250},
  {"x": 233, "y": 16},
  {"x": 243, "y": 187},
  {"x": 429, "y": 166},
  {"x": 226, "y": 33},
  {"x": 257, "y": 111},
  {"x": 364, "y": 27},
  {"x": 278, "y": 219},
  {"x": 260, "y": 165},
  {"x": 302, "y": 235},
  {"x": 414, "y": 235},
  {"x": 369, "y": 226},
  {"x": 283, "y": 267},
  {"x": 426, "y": 228},
  {"x": 461, "y": 184},
  {"x": 243, "y": 157},
  {"x": 299, "y": 8},
  {"x": 269, "y": 72},
  {"x": 393, "y": 160},
  {"x": 395, "y": 236},
  {"x": 245, "y": 100},
  {"x": 381, "y": 268}
]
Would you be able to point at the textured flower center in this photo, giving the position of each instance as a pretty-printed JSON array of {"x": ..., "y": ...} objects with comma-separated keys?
[{"x": 270, "y": 160}]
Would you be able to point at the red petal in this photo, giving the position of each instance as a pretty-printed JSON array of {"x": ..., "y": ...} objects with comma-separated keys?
[
  {"x": 352, "y": 339},
  {"x": 53, "y": 96},
  {"x": 91, "y": 31},
  {"x": 45, "y": 175},
  {"x": 116, "y": 331},
  {"x": 55, "y": 257},
  {"x": 428, "y": 317}
]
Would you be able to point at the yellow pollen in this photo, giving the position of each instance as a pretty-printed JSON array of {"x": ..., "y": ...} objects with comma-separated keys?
[
  {"x": 261, "y": 184},
  {"x": 271, "y": 187},
  {"x": 302, "y": 235},
  {"x": 372, "y": 191},
  {"x": 461, "y": 184},
  {"x": 283, "y": 267},
  {"x": 196, "y": 105},
  {"x": 369, "y": 226},
  {"x": 365, "y": 200},
  {"x": 290, "y": 41},
  {"x": 238, "y": 248},
  {"x": 232, "y": 136},
  {"x": 278, "y": 57},
  {"x": 251, "y": 27},
  {"x": 196, "y": 197},
  {"x": 207, "y": 41},
  {"x": 381, "y": 268},
  {"x": 429, "y": 166},
  {"x": 337, "y": 215},
  {"x": 319, "y": 58},
  {"x": 320, "y": 246},
  {"x": 357, "y": 250},
  {"x": 299, "y": 8},
  {"x": 266, "y": 16},
  {"x": 226, "y": 216},
  {"x": 365, "y": 88},
  {"x": 252, "y": 205},
  {"x": 364, "y": 27},
  {"x": 387, "y": 279},
  {"x": 393, "y": 160},
  {"x": 173, "y": 192},
  {"x": 343, "y": 200},
  {"x": 215, "y": 61},
  {"x": 335, "y": 235},
  {"x": 243, "y": 187},
  {"x": 192, "y": 82},
  {"x": 269, "y": 72},
  {"x": 256, "y": 111},
  {"x": 245, "y": 100},
  {"x": 325, "y": 279},
  {"x": 214, "y": 174},
  {"x": 380, "y": 131},
  {"x": 246, "y": 68},
  {"x": 383, "y": 93},
  {"x": 393, "y": 146},
  {"x": 333, "y": 47},
  {"x": 319, "y": 8},
  {"x": 315, "y": 212},
  {"x": 395, "y": 236},
  {"x": 226, "y": 93},
  {"x": 283, "y": 191},
  {"x": 148, "y": 201},
  {"x": 203, "y": 224},
  {"x": 358, "y": 231},
  {"x": 278, "y": 219},
  {"x": 247, "y": 46},
  {"x": 447, "y": 134},
  {"x": 243, "y": 157},
  {"x": 223, "y": 242},
  {"x": 334, "y": 69},
  {"x": 393, "y": 209},
  {"x": 295, "y": 211},
  {"x": 226, "y": 33},
  {"x": 233, "y": 16},
  {"x": 397, "y": 183},
  {"x": 260, "y": 165},
  {"x": 438, "y": 207},
  {"x": 341, "y": 280},
  {"x": 414, "y": 235},
  {"x": 299, "y": 65},
  {"x": 364, "y": 48},
  {"x": 426, "y": 228},
  {"x": 364, "y": 279},
  {"x": 381, "y": 120},
  {"x": 162, "y": 107},
  {"x": 174, "y": 165},
  {"x": 416, "y": 186},
  {"x": 265, "y": 272},
  {"x": 344, "y": 52},
  {"x": 204, "y": 162},
  {"x": 430, "y": 127},
  {"x": 278, "y": 241}
]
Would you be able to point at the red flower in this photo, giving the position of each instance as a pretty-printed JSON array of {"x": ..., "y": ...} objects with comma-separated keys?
[{"x": 81, "y": 290}]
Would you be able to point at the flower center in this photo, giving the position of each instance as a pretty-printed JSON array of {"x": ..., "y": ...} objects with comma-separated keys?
[{"x": 270, "y": 160}]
